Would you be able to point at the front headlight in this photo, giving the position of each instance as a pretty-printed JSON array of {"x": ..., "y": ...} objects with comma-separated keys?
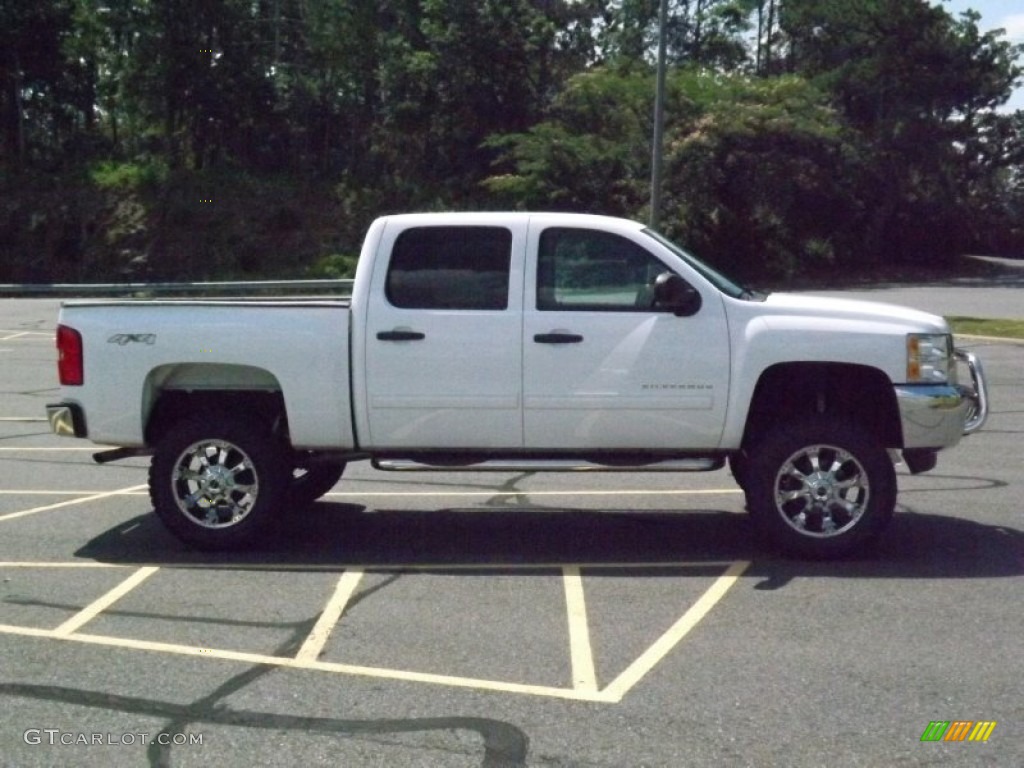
[{"x": 930, "y": 358}]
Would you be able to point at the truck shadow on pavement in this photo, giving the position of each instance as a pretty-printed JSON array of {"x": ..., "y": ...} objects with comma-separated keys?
[{"x": 916, "y": 545}]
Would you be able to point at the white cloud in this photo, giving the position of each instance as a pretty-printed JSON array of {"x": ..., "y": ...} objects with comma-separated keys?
[{"x": 1014, "y": 26}]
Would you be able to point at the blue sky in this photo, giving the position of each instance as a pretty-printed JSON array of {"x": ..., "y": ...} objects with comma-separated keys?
[{"x": 995, "y": 14}]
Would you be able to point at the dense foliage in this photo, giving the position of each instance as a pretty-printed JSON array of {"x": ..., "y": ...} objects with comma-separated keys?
[{"x": 217, "y": 138}]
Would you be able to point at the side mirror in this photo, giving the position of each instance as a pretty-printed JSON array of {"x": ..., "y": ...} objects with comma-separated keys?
[{"x": 675, "y": 295}]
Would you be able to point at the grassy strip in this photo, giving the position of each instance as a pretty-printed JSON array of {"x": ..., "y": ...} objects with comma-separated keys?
[{"x": 976, "y": 326}]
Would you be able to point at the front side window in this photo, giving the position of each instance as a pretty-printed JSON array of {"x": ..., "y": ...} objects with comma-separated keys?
[
  {"x": 582, "y": 269},
  {"x": 450, "y": 268}
]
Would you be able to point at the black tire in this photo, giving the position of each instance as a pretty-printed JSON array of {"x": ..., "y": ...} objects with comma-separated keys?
[
  {"x": 820, "y": 489},
  {"x": 739, "y": 465},
  {"x": 311, "y": 481},
  {"x": 217, "y": 482}
]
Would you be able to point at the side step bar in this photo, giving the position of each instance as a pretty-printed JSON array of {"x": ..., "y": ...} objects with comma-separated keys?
[{"x": 550, "y": 465}]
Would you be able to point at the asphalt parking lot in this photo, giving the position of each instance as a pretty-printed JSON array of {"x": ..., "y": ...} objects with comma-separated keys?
[{"x": 457, "y": 619}]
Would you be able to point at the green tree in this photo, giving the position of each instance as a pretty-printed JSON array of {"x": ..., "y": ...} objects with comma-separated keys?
[
  {"x": 754, "y": 167},
  {"x": 452, "y": 74},
  {"x": 45, "y": 96},
  {"x": 698, "y": 32},
  {"x": 756, "y": 183},
  {"x": 591, "y": 153},
  {"x": 912, "y": 82}
]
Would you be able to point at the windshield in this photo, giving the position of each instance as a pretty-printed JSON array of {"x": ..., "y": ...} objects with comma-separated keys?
[{"x": 720, "y": 281}]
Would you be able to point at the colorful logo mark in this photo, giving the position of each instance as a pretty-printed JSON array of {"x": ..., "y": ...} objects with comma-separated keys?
[{"x": 958, "y": 730}]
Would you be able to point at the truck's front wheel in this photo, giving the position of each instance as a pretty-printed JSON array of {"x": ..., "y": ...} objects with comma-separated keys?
[
  {"x": 820, "y": 489},
  {"x": 216, "y": 482}
]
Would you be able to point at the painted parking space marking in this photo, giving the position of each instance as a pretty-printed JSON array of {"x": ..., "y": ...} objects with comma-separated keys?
[
  {"x": 330, "y": 615},
  {"x": 649, "y": 658},
  {"x": 584, "y": 688},
  {"x": 584, "y": 675},
  {"x": 70, "y": 502},
  {"x": 97, "y": 607},
  {"x": 17, "y": 492},
  {"x": 432, "y": 494},
  {"x": 49, "y": 449},
  {"x": 583, "y": 685},
  {"x": 12, "y": 335}
]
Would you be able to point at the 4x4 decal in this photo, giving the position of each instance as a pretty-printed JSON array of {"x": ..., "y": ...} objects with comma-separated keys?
[{"x": 129, "y": 338}]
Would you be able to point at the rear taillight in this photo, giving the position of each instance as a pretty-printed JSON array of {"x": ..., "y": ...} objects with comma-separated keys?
[{"x": 69, "y": 357}]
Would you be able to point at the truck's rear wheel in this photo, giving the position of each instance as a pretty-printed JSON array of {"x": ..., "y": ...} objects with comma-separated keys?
[
  {"x": 820, "y": 489},
  {"x": 217, "y": 482}
]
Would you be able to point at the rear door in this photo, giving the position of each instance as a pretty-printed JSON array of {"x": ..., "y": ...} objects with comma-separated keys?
[{"x": 443, "y": 337}]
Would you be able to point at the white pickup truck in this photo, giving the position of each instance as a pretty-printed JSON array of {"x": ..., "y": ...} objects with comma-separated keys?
[{"x": 517, "y": 341}]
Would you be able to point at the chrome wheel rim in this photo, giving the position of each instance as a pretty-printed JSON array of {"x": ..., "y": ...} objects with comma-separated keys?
[
  {"x": 822, "y": 491},
  {"x": 215, "y": 484}
]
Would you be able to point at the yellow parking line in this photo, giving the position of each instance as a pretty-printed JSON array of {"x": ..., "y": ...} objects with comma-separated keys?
[
  {"x": 97, "y": 607},
  {"x": 71, "y": 502},
  {"x": 584, "y": 688},
  {"x": 314, "y": 665},
  {"x": 584, "y": 677},
  {"x": 329, "y": 617},
  {"x": 636, "y": 671}
]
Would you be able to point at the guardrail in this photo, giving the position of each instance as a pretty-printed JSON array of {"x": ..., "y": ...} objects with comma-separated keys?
[{"x": 236, "y": 289}]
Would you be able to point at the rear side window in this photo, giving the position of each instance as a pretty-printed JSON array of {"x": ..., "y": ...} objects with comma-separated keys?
[{"x": 450, "y": 268}]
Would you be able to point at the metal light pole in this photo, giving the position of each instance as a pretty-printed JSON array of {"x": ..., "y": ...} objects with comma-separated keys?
[{"x": 659, "y": 119}]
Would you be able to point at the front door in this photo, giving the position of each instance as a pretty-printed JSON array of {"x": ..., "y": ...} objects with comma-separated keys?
[{"x": 602, "y": 367}]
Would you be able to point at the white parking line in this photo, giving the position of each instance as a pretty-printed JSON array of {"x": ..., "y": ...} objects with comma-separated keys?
[
  {"x": 624, "y": 492},
  {"x": 434, "y": 494},
  {"x": 97, "y": 607},
  {"x": 329, "y": 617},
  {"x": 584, "y": 675},
  {"x": 61, "y": 449},
  {"x": 83, "y": 564},
  {"x": 13, "y": 334},
  {"x": 23, "y": 492},
  {"x": 306, "y": 659},
  {"x": 71, "y": 502},
  {"x": 649, "y": 658}
]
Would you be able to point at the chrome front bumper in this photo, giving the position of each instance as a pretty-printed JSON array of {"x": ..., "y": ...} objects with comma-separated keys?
[
  {"x": 976, "y": 394},
  {"x": 937, "y": 416}
]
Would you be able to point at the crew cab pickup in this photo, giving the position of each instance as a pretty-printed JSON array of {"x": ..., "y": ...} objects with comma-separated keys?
[{"x": 527, "y": 342}]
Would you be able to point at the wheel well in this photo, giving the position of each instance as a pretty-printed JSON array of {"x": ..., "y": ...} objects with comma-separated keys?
[
  {"x": 265, "y": 408},
  {"x": 861, "y": 394}
]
